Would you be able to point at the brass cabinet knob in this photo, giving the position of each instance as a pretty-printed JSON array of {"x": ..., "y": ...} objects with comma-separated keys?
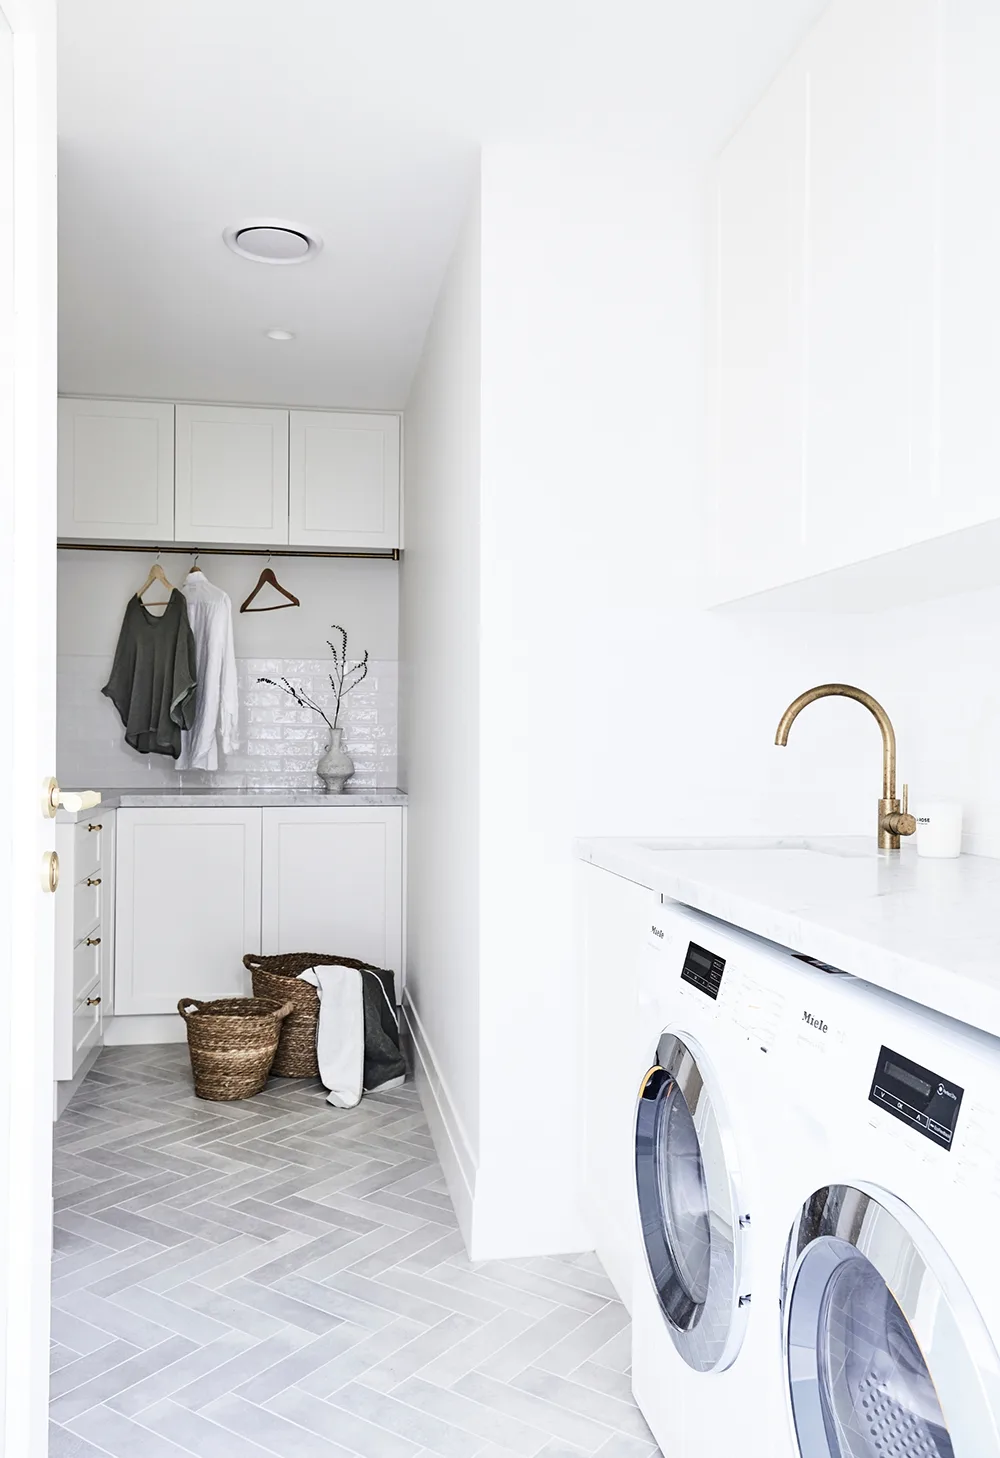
[
  {"x": 95, "y": 827},
  {"x": 93, "y": 1001},
  {"x": 93, "y": 880},
  {"x": 92, "y": 942}
]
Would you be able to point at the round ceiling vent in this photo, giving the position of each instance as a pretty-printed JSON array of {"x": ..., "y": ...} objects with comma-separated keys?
[{"x": 269, "y": 240}]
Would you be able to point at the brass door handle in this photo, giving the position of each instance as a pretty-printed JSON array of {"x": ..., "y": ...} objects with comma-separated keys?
[
  {"x": 92, "y": 942},
  {"x": 50, "y": 871},
  {"x": 93, "y": 880},
  {"x": 93, "y": 1001}
]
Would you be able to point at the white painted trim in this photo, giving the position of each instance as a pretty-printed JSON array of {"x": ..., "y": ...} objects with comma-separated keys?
[
  {"x": 126, "y": 1032},
  {"x": 447, "y": 1130},
  {"x": 66, "y": 1089},
  {"x": 232, "y": 404}
]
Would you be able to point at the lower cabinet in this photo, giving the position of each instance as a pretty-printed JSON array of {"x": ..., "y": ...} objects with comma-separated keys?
[
  {"x": 187, "y": 905},
  {"x": 196, "y": 889},
  {"x": 83, "y": 916},
  {"x": 332, "y": 883},
  {"x": 615, "y": 915}
]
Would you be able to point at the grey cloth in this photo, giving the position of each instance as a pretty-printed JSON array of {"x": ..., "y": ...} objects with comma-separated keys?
[
  {"x": 383, "y": 1058},
  {"x": 152, "y": 683}
]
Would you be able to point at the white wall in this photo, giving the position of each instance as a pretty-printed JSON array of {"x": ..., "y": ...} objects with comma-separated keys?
[
  {"x": 439, "y": 745},
  {"x": 279, "y": 742}
]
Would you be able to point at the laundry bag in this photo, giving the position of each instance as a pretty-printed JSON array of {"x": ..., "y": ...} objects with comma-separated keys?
[{"x": 232, "y": 1042}]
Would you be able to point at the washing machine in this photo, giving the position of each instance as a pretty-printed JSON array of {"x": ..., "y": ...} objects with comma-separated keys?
[
  {"x": 891, "y": 1283},
  {"x": 723, "y": 1159}
]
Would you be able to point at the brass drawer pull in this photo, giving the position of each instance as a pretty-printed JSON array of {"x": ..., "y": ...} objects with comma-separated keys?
[
  {"x": 93, "y": 1001},
  {"x": 92, "y": 942},
  {"x": 93, "y": 880},
  {"x": 95, "y": 827}
]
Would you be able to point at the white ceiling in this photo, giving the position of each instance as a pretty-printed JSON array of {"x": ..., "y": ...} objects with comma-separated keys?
[{"x": 362, "y": 121}]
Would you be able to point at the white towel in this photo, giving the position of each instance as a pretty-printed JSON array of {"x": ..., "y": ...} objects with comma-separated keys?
[{"x": 340, "y": 1037}]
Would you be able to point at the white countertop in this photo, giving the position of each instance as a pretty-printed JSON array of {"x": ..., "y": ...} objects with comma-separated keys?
[
  {"x": 188, "y": 798},
  {"x": 927, "y": 929}
]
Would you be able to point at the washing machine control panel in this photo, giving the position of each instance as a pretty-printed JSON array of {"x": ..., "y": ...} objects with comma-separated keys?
[
  {"x": 703, "y": 969},
  {"x": 915, "y": 1095}
]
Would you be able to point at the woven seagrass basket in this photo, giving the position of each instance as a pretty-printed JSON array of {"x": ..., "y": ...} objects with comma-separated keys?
[
  {"x": 232, "y": 1042},
  {"x": 278, "y": 977}
]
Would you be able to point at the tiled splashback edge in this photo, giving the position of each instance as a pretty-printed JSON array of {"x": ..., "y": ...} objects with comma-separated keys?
[{"x": 279, "y": 743}]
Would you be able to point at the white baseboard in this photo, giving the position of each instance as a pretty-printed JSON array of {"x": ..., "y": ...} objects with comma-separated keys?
[
  {"x": 148, "y": 1028},
  {"x": 66, "y": 1088},
  {"x": 447, "y": 1130}
]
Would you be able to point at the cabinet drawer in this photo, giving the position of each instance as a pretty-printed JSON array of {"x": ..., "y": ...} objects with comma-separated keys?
[
  {"x": 86, "y": 963},
  {"x": 89, "y": 835},
  {"x": 88, "y": 1016},
  {"x": 86, "y": 905}
]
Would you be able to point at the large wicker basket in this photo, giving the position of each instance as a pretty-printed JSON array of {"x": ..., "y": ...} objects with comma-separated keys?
[
  {"x": 232, "y": 1043},
  {"x": 278, "y": 977}
]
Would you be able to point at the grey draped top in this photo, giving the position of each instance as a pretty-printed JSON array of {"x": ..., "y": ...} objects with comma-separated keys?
[{"x": 152, "y": 683}]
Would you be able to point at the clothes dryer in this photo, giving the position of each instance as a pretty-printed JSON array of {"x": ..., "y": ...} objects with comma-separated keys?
[{"x": 891, "y": 1281}]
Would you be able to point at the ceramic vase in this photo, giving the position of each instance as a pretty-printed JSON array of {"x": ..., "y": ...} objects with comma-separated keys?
[{"x": 336, "y": 766}]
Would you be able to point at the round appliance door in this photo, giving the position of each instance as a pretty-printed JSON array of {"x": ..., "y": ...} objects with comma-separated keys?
[
  {"x": 886, "y": 1354},
  {"x": 685, "y": 1169}
]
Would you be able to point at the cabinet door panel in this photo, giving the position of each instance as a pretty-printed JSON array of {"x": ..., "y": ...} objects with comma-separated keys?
[
  {"x": 869, "y": 267},
  {"x": 232, "y": 474},
  {"x": 343, "y": 479},
  {"x": 759, "y": 342},
  {"x": 966, "y": 484},
  {"x": 187, "y": 905},
  {"x": 116, "y": 470},
  {"x": 333, "y": 883}
]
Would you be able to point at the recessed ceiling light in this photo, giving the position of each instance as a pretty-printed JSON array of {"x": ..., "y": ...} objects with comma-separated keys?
[
  {"x": 280, "y": 334},
  {"x": 272, "y": 240}
]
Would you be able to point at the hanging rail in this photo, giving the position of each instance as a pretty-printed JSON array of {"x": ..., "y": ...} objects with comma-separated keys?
[{"x": 390, "y": 554}]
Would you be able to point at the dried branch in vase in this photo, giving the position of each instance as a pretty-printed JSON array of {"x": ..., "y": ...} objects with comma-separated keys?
[{"x": 343, "y": 680}]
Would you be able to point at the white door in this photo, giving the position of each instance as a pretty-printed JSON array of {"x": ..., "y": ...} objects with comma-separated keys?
[
  {"x": 232, "y": 475},
  {"x": 27, "y": 716},
  {"x": 333, "y": 883},
  {"x": 116, "y": 470},
  {"x": 343, "y": 479},
  {"x": 187, "y": 906}
]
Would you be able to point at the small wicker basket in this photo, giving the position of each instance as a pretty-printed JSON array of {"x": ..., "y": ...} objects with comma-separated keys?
[
  {"x": 277, "y": 977},
  {"x": 232, "y": 1042}
]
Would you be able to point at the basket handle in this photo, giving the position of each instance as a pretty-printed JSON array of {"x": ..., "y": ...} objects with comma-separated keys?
[
  {"x": 187, "y": 1006},
  {"x": 252, "y": 961},
  {"x": 283, "y": 1012}
]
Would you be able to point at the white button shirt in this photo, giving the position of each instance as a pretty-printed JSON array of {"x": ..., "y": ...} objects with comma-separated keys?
[{"x": 216, "y": 717}]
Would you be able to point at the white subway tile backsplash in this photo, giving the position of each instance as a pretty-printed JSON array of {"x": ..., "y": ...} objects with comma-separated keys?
[{"x": 279, "y": 742}]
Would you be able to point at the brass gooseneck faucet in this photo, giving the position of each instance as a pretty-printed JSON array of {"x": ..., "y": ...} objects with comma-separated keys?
[{"x": 894, "y": 820}]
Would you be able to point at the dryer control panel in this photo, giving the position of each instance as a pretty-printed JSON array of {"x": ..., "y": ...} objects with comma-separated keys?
[
  {"x": 703, "y": 969},
  {"x": 918, "y": 1097}
]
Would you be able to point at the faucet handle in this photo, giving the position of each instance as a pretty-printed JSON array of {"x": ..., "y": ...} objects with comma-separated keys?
[{"x": 906, "y": 799}]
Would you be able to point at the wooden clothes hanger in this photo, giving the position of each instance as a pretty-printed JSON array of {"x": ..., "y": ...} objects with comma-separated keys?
[
  {"x": 156, "y": 574},
  {"x": 268, "y": 579}
]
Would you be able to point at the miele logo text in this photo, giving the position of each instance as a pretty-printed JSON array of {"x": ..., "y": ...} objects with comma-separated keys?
[
  {"x": 946, "y": 1093},
  {"x": 816, "y": 1023},
  {"x": 657, "y": 932}
]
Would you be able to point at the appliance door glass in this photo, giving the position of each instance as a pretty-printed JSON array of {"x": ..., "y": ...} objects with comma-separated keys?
[
  {"x": 886, "y": 1354},
  {"x": 687, "y": 1207}
]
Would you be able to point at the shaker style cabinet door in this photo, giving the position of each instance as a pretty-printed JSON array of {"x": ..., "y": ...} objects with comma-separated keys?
[
  {"x": 343, "y": 479},
  {"x": 187, "y": 906},
  {"x": 232, "y": 475},
  {"x": 116, "y": 470},
  {"x": 333, "y": 883}
]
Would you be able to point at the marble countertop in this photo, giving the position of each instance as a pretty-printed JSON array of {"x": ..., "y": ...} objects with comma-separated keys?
[
  {"x": 926, "y": 929},
  {"x": 187, "y": 798}
]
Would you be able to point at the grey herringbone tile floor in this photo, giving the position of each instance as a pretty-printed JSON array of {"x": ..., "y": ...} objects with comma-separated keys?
[{"x": 281, "y": 1279}]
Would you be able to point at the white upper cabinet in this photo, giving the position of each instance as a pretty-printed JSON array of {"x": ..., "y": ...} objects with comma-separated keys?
[
  {"x": 232, "y": 475},
  {"x": 343, "y": 480},
  {"x": 965, "y": 481},
  {"x": 759, "y": 341},
  {"x": 889, "y": 276},
  {"x": 116, "y": 470},
  {"x": 869, "y": 366}
]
